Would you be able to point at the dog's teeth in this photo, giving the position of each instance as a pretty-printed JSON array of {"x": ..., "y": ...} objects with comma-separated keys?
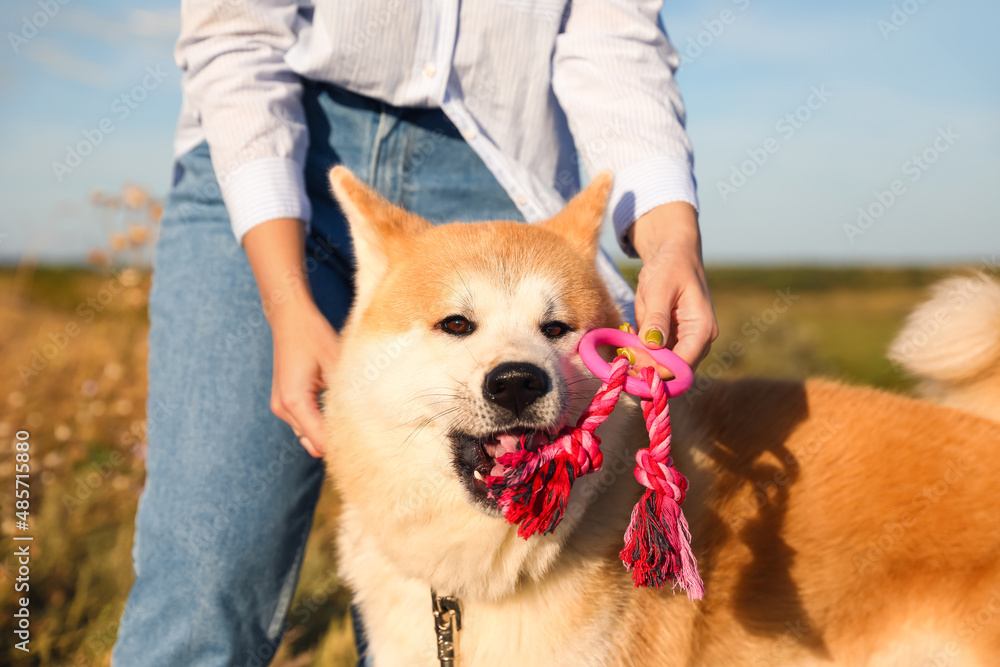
[{"x": 478, "y": 475}]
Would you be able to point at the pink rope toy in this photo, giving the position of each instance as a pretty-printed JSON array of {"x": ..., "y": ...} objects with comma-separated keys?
[{"x": 533, "y": 491}]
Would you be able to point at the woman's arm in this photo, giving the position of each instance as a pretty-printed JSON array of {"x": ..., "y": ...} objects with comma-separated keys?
[
  {"x": 613, "y": 73},
  {"x": 249, "y": 104},
  {"x": 305, "y": 344},
  {"x": 672, "y": 295}
]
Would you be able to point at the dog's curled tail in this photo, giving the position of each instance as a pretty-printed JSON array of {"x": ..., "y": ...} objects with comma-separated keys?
[{"x": 951, "y": 343}]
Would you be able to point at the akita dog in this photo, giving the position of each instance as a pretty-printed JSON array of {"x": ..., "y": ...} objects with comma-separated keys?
[{"x": 833, "y": 525}]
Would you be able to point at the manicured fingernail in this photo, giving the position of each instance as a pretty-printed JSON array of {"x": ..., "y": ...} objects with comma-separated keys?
[
  {"x": 654, "y": 336},
  {"x": 627, "y": 353},
  {"x": 627, "y": 328}
]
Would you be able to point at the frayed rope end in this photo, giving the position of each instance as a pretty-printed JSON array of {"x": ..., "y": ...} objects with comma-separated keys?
[{"x": 658, "y": 546}]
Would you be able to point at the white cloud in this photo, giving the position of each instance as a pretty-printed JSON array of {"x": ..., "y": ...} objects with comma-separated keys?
[
  {"x": 151, "y": 31},
  {"x": 53, "y": 59},
  {"x": 144, "y": 31},
  {"x": 147, "y": 23}
]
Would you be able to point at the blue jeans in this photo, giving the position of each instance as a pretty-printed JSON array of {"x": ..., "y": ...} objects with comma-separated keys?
[{"x": 230, "y": 493}]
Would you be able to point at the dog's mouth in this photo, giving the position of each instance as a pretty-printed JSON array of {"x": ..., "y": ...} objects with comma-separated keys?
[{"x": 476, "y": 457}]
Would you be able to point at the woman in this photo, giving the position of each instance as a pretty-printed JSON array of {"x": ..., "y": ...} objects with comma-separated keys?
[{"x": 470, "y": 112}]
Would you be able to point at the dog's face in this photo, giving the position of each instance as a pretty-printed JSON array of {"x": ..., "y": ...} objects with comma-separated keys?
[{"x": 462, "y": 340}]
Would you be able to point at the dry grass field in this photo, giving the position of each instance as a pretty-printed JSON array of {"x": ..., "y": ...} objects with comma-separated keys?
[{"x": 73, "y": 374}]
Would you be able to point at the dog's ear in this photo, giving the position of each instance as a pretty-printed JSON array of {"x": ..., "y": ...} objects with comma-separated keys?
[
  {"x": 580, "y": 222},
  {"x": 379, "y": 229}
]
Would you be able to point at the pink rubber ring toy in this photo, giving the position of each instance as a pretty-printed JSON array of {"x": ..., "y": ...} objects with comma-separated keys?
[{"x": 683, "y": 377}]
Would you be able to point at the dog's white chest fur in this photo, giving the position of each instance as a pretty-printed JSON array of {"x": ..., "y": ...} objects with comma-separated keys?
[{"x": 571, "y": 631}]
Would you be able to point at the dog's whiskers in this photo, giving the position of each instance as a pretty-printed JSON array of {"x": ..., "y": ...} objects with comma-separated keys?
[{"x": 424, "y": 424}]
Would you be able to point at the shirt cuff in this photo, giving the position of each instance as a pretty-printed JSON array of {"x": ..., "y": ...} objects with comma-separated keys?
[
  {"x": 644, "y": 185},
  {"x": 263, "y": 190}
]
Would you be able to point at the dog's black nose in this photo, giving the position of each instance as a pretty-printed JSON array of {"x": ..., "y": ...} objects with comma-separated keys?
[{"x": 516, "y": 385}]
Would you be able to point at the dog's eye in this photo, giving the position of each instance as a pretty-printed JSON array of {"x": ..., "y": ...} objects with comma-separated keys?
[
  {"x": 555, "y": 329},
  {"x": 456, "y": 325}
]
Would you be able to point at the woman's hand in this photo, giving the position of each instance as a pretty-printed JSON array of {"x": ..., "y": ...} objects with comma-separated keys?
[
  {"x": 305, "y": 349},
  {"x": 305, "y": 344},
  {"x": 672, "y": 305}
]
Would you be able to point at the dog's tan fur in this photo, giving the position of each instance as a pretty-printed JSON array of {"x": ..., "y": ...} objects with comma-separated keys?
[
  {"x": 833, "y": 525},
  {"x": 951, "y": 342}
]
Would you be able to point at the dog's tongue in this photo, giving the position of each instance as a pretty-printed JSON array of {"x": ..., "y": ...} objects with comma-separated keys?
[{"x": 508, "y": 443}]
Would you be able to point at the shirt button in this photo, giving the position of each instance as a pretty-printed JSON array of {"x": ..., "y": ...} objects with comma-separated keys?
[
  {"x": 521, "y": 200},
  {"x": 430, "y": 70},
  {"x": 469, "y": 134}
]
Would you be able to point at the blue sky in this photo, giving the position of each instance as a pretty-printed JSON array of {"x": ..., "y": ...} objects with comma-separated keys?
[{"x": 911, "y": 103}]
